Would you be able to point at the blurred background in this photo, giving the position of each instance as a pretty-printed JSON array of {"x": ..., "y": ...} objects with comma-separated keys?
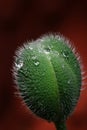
[{"x": 22, "y": 20}]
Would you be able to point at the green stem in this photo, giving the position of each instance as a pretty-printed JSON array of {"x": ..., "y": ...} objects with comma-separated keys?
[{"x": 60, "y": 126}]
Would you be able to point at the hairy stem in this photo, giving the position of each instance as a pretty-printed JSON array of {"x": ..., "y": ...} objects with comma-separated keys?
[{"x": 60, "y": 126}]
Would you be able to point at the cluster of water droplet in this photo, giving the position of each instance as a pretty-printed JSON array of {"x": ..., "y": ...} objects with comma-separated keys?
[
  {"x": 19, "y": 64},
  {"x": 35, "y": 60}
]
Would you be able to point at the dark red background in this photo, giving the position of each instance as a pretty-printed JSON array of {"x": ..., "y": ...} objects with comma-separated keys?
[{"x": 22, "y": 20}]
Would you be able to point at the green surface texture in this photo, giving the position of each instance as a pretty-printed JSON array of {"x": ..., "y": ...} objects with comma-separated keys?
[{"x": 49, "y": 77}]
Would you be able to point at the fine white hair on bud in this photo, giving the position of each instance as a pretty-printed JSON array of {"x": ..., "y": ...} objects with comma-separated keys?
[{"x": 49, "y": 74}]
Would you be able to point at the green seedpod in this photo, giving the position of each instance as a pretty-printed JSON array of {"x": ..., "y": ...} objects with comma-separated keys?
[{"x": 48, "y": 74}]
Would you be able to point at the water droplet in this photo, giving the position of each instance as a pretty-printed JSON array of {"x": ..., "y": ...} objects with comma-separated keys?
[
  {"x": 30, "y": 48},
  {"x": 19, "y": 65},
  {"x": 64, "y": 54},
  {"x": 58, "y": 53},
  {"x": 43, "y": 74},
  {"x": 35, "y": 88},
  {"x": 69, "y": 81},
  {"x": 40, "y": 51},
  {"x": 34, "y": 57},
  {"x": 47, "y": 50},
  {"x": 63, "y": 66},
  {"x": 75, "y": 65},
  {"x": 36, "y": 63},
  {"x": 41, "y": 40},
  {"x": 58, "y": 37}
]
